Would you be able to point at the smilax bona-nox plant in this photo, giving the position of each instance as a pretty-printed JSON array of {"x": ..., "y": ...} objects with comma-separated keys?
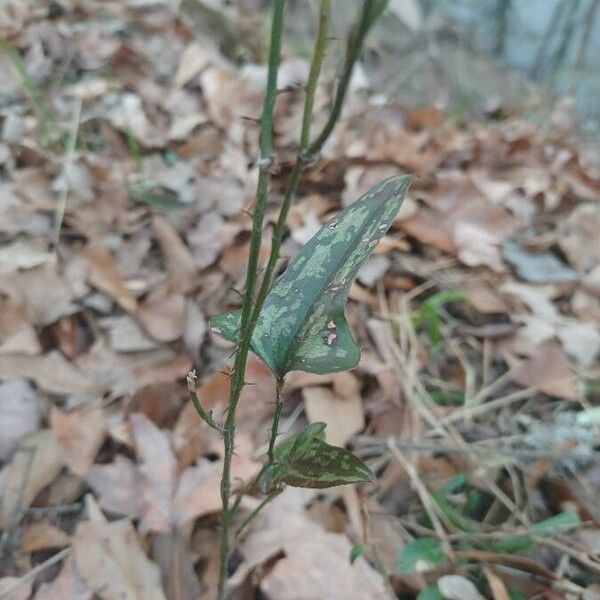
[{"x": 298, "y": 321}]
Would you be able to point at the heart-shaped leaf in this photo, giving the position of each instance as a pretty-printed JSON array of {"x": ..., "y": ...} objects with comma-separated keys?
[
  {"x": 302, "y": 323},
  {"x": 306, "y": 460}
]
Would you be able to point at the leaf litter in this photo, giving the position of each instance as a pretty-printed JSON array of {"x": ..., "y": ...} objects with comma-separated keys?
[{"x": 102, "y": 457}]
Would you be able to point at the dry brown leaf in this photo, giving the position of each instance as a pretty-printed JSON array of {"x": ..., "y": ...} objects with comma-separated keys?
[
  {"x": 118, "y": 487},
  {"x": 111, "y": 561},
  {"x": 198, "y": 492},
  {"x": 343, "y": 415},
  {"x": 45, "y": 295},
  {"x": 125, "y": 335},
  {"x": 209, "y": 237},
  {"x": 162, "y": 315},
  {"x": 165, "y": 371},
  {"x": 21, "y": 413},
  {"x": 550, "y": 372},
  {"x": 80, "y": 433},
  {"x": 52, "y": 372},
  {"x": 104, "y": 275},
  {"x": 194, "y": 58},
  {"x": 315, "y": 563},
  {"x": 195, "y": 328},
  {"x": 179, "y": 262},
  {"x": 23, "y": 254},
  {"x": 68, "y": 584},
  {"x": 580, "y": 239},
  {"x": 158, "y": 467},
  {"x": 172, "y": 554},
  {"x": 35, "y": 464},
  {"x": 485, "y": 299},
  {"x": 42, "y": 535}
]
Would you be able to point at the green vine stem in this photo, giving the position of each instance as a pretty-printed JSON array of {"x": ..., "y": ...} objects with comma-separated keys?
[
  {"x": 251, "y": 307},
  {"x": 205, "y": 415},
  {"x": 246, "y": 327}
]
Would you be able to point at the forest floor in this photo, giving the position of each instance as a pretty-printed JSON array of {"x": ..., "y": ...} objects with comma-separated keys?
[{"x": 127, "y": 161}]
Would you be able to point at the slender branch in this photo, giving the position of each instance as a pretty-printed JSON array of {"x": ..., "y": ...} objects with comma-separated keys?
[
  {"x": 251, "y": 516},
  {"x": 246, "y": 326},
  {"x": 315, "y": 71},
  {"x": 205, "y": 415},
  {"x": 276, "y": 419}
]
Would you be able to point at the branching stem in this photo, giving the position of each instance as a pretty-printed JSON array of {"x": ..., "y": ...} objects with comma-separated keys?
[{"x": 251, "y": 307}]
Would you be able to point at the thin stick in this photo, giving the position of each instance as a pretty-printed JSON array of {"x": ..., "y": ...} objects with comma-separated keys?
[
  {"x": 431, "y": 508},
  {"x": 59, "y": 214},
  {"x": 246, "y": 328},
  {"x": 7, "y": 592}
]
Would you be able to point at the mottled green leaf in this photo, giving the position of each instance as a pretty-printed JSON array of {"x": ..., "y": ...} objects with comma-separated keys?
[
  {"x": 557, "y": 524},
  {"x": 424, "y": 552},
  {"x": 306, "y": 460},
  {"x": 302, "y": 325}
]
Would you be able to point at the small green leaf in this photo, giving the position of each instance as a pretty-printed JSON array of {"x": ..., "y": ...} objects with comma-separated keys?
[
  {"x": 556, "y": 524},
  {"x": 511, "y": 545},
  {"x": 357, "y": 551},
  {"x": 431, "y": 592},
  {"x": 305, "y": 460},
  {"x": 422, "y": 552},
  {"x": 459, "y": 521},
  {"x": 321, "y": 466},
  {"x": 302, "y": 325}
]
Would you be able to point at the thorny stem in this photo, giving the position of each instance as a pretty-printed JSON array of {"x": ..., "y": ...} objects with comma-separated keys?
[
  {"x": 205, "y": 415},
  {"x": 246, "y": 327},
  {"x": 251, "y": 309}
]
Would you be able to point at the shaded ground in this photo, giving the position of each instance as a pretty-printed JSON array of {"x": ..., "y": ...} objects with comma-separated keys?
[{"x": 126, "y": 162}]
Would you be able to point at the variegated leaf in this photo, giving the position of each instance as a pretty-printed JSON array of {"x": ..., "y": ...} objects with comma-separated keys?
[
  {"x": 306, "y": 460},
  {"x": 302, "y": 324}
]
